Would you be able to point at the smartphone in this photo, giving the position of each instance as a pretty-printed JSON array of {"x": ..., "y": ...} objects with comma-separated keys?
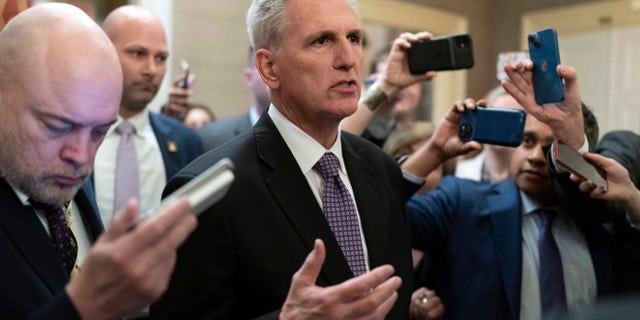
[
  {"x": 184, "y": 83},
  {"x": 492, "y": 125},
  {"x": 544, "y": 52},
  {"x": 572, "y": 161},
  {"x": 205, "y": 189},
  {"x": 441, "y": 53}
]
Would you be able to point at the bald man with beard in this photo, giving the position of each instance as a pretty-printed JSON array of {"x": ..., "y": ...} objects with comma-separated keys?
[{"x": 60, "y": 88}]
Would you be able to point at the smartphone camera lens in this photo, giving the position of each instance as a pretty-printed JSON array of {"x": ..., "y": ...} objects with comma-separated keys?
[
  {"x": 533, "y": 39},
  {"x": 465, "y": 131},
  {"x": 463, "y": 42}
]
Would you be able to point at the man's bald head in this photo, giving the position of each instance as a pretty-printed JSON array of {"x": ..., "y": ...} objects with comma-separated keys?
[
  {"x": 139, "y": 39},
  {"x": 115, "y": 23},
  {"x": 60, "y": 88},
  {"x": 71, "y": 41}
]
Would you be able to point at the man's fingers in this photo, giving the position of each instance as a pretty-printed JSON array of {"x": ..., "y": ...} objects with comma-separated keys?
[
  {"x": 173, "y": 216},
  {"x": 308, "y": 272},
  {"x": 123, "y": 220},
  {"x": 355, "y": 288}
]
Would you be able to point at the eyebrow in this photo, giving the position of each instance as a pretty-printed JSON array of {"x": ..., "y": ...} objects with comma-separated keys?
[{"x": 66, "y": 120}]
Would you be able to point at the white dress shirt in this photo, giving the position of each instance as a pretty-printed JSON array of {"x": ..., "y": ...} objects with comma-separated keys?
[
  {"x": 151, "y": 167},
  {"x": 307, "y": 152},
  {"x": 579, "y": 275}
]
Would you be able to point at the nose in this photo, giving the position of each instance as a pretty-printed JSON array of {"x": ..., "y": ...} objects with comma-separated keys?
[
  {"x": 78, "y": 149},
  {"x": 347, "y": 54},
  {"x": 536, "y": 156},
  {"x": 150, "y": 67}
]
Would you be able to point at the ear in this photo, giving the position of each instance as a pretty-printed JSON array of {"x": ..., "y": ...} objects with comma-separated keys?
[{"x": 268, "y": 68}]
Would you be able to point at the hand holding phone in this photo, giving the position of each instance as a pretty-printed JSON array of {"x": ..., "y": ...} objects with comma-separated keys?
[
  {"x": 545, "y": 54},
  {"x": 441, "y": 53},
  {"x": 492, "y": 125},
  {"x": 184, "y": 83},
  {"x": 572, "y": 161}
]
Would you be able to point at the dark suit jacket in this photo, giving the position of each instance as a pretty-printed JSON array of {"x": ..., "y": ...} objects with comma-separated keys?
[
  {"x": 178, "y": 144},
  {"x": 219, "y": 132},
  {"x": 239, "y": 262},
  {"x": 471, "y": 232},
  {"x": 624, "y": 147},
  {"x": 32, "y": 278}
]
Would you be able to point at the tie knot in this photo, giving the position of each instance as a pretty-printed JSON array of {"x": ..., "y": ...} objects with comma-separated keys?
[
  {"x": 547, "y": 216},
  {"x": 125, "y": 128},
  {"x": 327, "y": 165}
]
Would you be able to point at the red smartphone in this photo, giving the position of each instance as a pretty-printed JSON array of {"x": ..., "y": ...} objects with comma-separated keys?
[{"x": 572, "y": 161}]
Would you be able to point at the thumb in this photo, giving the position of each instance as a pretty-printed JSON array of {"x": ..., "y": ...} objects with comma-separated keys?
[
  {"x": 123, "y": 220},
  {"x": 596, "y": 159},
  {"x": 310, "y": 269}
]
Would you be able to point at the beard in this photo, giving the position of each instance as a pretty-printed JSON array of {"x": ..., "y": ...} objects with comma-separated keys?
[{"x": 37, "y": 183}]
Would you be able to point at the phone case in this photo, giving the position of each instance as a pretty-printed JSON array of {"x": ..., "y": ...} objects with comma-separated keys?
[
  {"x": 499, "y": 126},
  {"x": 543, "y": 51},
  {"x": 572, "y": 161},
  {"x": 441, "y": 53}
]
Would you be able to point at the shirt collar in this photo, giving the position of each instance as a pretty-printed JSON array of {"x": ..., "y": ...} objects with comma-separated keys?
[
  {"x": 529, "y": 205},
  {"x": 140, "y": 121},
  {"x": 24, "y": 198},
  {"x": 306, "y": 150}
]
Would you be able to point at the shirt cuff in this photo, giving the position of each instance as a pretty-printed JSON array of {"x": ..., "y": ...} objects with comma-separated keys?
[
  {"x": 412, "y": 178},
  {"x": 380, "y": 127}
]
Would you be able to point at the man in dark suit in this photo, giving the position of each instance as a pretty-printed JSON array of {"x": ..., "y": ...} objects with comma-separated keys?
[
  {"x": 239, "y": 263},
  {"x": 162, "y": 145},
  {"x": 482, "y": 239},
  {"x": 622, "y": 146},
  {"x": 60, "y": 89},
  {"x": 222, "y": 131}
]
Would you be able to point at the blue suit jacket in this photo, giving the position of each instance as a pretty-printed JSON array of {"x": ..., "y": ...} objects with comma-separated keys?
[
  {"x": 471, "y": 232},
  {"x": 178, "y": 144},
  {"x": 32, "y": 279}
]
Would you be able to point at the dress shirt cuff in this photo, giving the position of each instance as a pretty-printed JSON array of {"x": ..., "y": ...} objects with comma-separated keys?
[
  {"x": 413, "y": 178},
  {"x": 558, "y": 168},
  {"x": 380, "y": 127}
]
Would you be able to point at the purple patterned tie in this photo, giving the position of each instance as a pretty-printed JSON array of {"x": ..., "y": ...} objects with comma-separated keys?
[
  {"x": 127, "y": 182},
  {"x": 63, "y": 240},
  {"x": 340, "y": 212},
  {"x": 552, "y": 292}
]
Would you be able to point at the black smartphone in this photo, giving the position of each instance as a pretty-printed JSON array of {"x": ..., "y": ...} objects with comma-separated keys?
[
  {"x": 441, "y": 53},
  {"x": 492, "y": 125},
  {"x": 572, "y": 161},
  {"x": 545, "y": 54}
]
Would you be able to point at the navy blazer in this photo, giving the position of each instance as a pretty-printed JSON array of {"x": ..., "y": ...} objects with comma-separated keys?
[
  {"x": 239, "y": 262},
  {"x": 179, "y": 145},
  {"x": 32, "y": 279},
  {"x": 471, "y": 232}
]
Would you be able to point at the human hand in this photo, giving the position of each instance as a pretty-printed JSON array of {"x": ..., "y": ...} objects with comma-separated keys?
[
  {"x": 425, "y": 305},
  {"x": 445, "y": 139},
  {"x": 368, "y": 296},
  {"x": 397, "y": 76},
  {"x": 619, "y": 184},
  {"x": 565, "y": 118},
  {"x": 128, "y": 269},
  {"x": 179, "y": 97}
]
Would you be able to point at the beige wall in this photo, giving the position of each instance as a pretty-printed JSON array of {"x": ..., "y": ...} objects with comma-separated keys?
[{"x": 211, "y": 36}]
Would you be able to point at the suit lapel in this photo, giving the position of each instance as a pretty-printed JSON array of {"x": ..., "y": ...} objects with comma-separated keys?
[
  {"x": 163, "y": 136},
  {"x": 367, "y": 199},
  {"x": 22, "y": 225},
  {"x": 506, "y": 220},
  {"x": 291, "y": 191},
  {"x": 85, "y": 200}
]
